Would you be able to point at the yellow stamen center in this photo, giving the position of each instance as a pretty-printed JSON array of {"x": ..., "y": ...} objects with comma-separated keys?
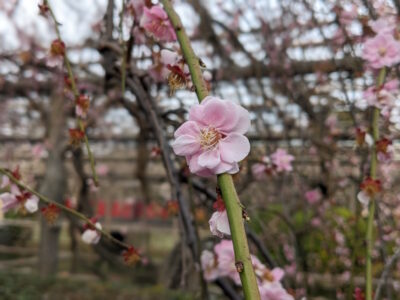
[{"x": 209, "y": 138}]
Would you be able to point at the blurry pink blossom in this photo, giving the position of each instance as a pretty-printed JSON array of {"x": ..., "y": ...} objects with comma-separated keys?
[
  {"x": 139, "y": 35},
  {"x": 155, "y": 21},
  {"x": 38, "y": 150},
  {"x": 259, "y": 171},
  {"x": 102, "y": 169},
  {"x": 212, "y": 139},
  {"x": 383, "y": 25},
  {"x": 22, "y": 199},
  {"x": 56, "y": 54},
  {"x": 273, "y": 291},
  {"x": 316, "y": 222},
  {"x": 384, "y": 97},
  {"x": 209, "y": 265},
  {"x": 226, "y": 260},
  {"x": 91, "y": 235},
  {"x": 313, "y": 196},
  {"x": 282, "y": 160},
  {"x": 136, "y": 7},
  {"x": 369, "y": 188},
  {"x": 381, "y": 51},
  {"x": 219, "y": 224}
]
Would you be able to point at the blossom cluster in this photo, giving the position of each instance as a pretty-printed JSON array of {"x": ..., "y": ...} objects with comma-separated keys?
[
  {"x": 383, "y": 51},
  {"x": 169, "y": 65},
  {"x": 221, "y": 263}
]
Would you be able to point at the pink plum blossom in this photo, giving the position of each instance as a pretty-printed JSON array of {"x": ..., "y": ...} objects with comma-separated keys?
[
  {"x": 38, "y": 151},
  {"x": 10, "y": 201},
  {"x": 219, "y": 224},
  {"x": 282, "y": 160},
  {"x": 369, "y": 188},
  {"x": 102, "y": 169},
  {"x": 259, "y": 171},
  {"x": 213, "y": 140},
  {"x": 313, "y": 196},
  {"x": 273, "y": 291},
  {"x": 381, "y": 50},
  {"x": 221, "y": 263},
  {"x": 226, "y": 260},
  {"x": 136, "y": 7},
  {"x": 91, "y": 235},
  {"x": 383, "y": 98},
  {"x": 209, "y": 265},
  {"x": 155, "y": 21}
]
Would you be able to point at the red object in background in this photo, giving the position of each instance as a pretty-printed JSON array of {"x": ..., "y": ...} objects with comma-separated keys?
[
  {"x": 119, "y": 209},
  {"x": 137, "y": 210},
  {"x": 101, "y": 208}
]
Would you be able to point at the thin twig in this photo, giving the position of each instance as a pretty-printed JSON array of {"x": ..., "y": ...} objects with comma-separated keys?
[{"x": 62, "y": 207}]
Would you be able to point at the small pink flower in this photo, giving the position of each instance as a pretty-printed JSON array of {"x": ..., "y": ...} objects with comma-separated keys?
[
  {"x": 316, "y": 222},
  {"x": 212, "y": 139},
  {"x": 273, "y": 291},
  {"x": 381, "y": 50},
  {"x": 102, "y": 169},
  {"x": 38, "y": 151},
  {"x": 313, "y": 196},
  {"x": 136, "y": 7},
  {"x": 282, "y": 160},
  {"x": 91, "y": 235},
  {"x": 26, "y": 200},
  {"x": 209, "y": 265},
  {"x": 138, "y": 34},
  {"x": 384, "y": 98},
  {"x": 369, "y": 188},
  {"x": 155, "y": 21},
  {"x": 56, "y": 54},
  {"x": 226, "y": 260},
  {"x": 9, "y": 201},
  {"x": 259, "y": 171},
  {"x": 219, "y": 224}
]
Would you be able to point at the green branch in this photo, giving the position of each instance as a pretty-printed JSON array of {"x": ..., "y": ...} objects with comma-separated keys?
[
  {"x": 371, "y": 209},
  {"x": 225, "y": 181}
]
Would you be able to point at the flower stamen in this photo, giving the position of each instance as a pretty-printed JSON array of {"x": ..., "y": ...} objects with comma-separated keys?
[{"x": 209, "y": 138}]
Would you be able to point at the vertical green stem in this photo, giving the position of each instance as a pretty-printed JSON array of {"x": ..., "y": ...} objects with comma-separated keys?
[
  {"x": 371, "y": 211},
  {"x": 225, "y": 181}
]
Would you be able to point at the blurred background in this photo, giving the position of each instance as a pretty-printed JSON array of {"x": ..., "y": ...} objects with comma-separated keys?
[{"x": 294, "y": 64}]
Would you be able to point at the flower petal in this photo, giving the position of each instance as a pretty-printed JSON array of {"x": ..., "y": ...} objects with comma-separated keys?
[
  {"x": 234, "y": 148},
  {"x": 219, "y": 224},
  {"x": 209, "y": 159},
  {"x": 8, "y": 200},
  {"x": 363, "y": 198},
  {"x": 189, "y": 127},
  {"x": 31, "y": 204},
  {"x": 186, "y": 145}
]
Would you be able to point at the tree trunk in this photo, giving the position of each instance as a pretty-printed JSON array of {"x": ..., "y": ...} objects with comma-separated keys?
[{"x": 53, "y": 185}]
